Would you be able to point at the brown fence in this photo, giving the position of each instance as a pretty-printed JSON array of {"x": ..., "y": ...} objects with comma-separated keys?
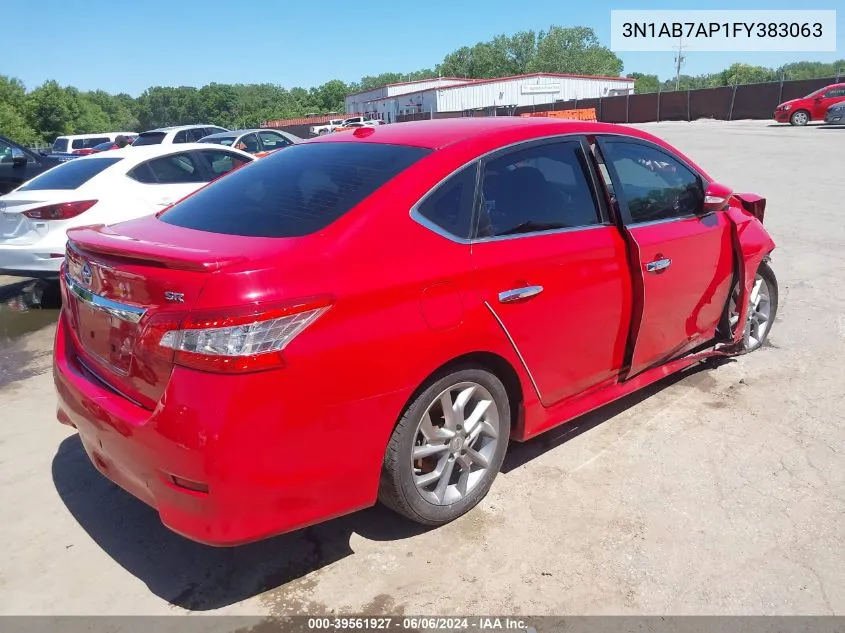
[{"x": 727, "y": 103}]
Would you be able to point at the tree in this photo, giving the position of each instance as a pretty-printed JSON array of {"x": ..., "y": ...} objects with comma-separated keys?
[
  {"x": 574, "y": 50},
  {"x": 51, "y": 111},
  {"x": 645, "y": 83}
]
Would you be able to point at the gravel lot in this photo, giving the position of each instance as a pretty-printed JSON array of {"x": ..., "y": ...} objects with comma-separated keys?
[{"x": 718, "y": 492}]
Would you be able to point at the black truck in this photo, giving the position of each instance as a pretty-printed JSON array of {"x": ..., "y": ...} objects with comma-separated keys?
[{"x": 18, "y": 164}]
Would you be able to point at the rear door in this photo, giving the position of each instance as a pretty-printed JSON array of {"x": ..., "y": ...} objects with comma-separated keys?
[
  {"x": 169, "y": 178},
  {"x": 551, "y": 268},
  {"x": 682, "y": 261}
]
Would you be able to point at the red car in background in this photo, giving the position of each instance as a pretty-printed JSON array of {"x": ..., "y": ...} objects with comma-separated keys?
[
  {"x": 102, "y": 147},
  {"x": 813, "y": 107},
  {"x": 375, "y": 315}
]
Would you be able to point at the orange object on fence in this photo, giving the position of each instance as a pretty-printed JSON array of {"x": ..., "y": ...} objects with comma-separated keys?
[{"x": 586, "y": 114}]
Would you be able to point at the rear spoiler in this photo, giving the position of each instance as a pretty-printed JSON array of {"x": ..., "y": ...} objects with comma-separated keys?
[{"x": 754, "y": 204}]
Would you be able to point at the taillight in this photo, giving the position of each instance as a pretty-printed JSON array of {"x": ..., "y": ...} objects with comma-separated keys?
[
  {"x": 237, "y": 340},
  {"x": 63, "y": 211}
]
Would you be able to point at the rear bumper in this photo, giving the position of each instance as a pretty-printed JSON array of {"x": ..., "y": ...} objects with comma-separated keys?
[
  {"x": 32, "y": 260},
  {"x": 270, "y": 464}
]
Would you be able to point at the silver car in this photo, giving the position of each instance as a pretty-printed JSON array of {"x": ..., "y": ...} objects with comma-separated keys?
[{"x": 258, "y": 141}]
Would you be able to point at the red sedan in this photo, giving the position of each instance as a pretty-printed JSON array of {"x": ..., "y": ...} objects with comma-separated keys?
[{"x": 375, "y": 315}]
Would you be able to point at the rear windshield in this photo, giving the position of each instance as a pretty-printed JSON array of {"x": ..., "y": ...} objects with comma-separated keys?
[
  {"x": 60, "y": 145},
  {"x": 83, "y": 143},
  {"x": 295, "y": 192},
  {"x": 150, "y": 138},
  {"x": 69, "y": 175},
  {"x": 220, "y": 140}
]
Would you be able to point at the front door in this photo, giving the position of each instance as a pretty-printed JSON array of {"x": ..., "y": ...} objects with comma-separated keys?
[
  {"x": 550, "y": 269},
  {"x": 829, "y": 97},
  {"x": 682, "y": 260}
]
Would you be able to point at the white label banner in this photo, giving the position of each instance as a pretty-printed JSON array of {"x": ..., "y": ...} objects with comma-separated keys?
[
  {"x": 536, "y": 89},
  {"x": 724, "y": 30}
]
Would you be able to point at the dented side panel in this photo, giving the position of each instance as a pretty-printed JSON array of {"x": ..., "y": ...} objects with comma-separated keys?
[{"x": 753, "y": 243}]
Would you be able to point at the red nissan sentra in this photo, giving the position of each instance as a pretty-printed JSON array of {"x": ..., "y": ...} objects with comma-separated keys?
[{"x": 375, "y": 315}]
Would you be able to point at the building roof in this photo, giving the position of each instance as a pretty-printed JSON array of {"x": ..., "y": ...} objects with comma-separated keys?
[
  {"x": 477, "y": 82},
  {"x": 409, "y": 83}
]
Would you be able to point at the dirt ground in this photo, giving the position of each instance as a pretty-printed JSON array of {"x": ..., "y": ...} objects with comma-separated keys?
[{"x": 718, "y": 492}]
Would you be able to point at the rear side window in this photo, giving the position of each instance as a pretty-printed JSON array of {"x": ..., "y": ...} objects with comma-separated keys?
[
  {"x": 168, "y": 170},
  {"x": 271, "y": 141},
  {"x": 295, "y": 192},
  {"x": 449, "y": 206},
  {"x": 223, "y": 162},
  {"x": 70, "y": 175},
  {"x": 195, "y": 134},
  {"x": 150, "y": 138}
]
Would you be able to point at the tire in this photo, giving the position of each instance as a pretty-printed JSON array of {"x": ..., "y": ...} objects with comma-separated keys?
[
  {"x": 753, "y": 339},
  {"x": 799, "y": 117},
  {"x": 423, "y": 427}
]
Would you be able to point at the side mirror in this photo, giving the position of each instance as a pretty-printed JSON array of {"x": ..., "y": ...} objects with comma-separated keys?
[
  {"x": 716, "y": 198},
  {"x": 18, "y": 158}
]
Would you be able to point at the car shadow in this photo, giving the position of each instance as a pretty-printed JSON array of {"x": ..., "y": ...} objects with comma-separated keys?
[
  {"x": 833, "y": 126},
  {"x": 520, "y": 454},
  {"x": 194, "y": 576},
  {"x": 201, "y": 578}
]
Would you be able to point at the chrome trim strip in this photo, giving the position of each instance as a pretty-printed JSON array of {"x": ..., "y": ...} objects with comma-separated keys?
[
  {"x": 516, "y": 349},
  {"x": 121, "y": 311}
]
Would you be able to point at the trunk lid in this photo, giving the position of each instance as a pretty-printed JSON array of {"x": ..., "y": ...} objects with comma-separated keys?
[{"x": 125, "y": 285}]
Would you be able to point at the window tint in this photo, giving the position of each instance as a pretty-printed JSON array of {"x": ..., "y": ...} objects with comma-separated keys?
[
  {"x": 149, "y": 138},
  {"x": 655, "y": 185},
  {"x": 181, "y": 137},
  {"x": 295, "y": 192},
  {"x": 60, "y": 145},
  {"x": 82, "y": 143},
  {"x": 168, "y": 170},
  {"x": 221, "y": 140},
  {"x": 69, "y": 175},
  {"x": 540, "y": 188},
  {"x": 450, "y": 205},
  {"x": 271, "y": 141},
  {"x": 195, "y": 134},
  {"x": 248, "y": 143},
  {"x": 222, "y": 162}
]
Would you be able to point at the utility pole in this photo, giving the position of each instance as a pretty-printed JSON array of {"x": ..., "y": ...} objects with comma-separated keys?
[{"x": 680, "y": 58}]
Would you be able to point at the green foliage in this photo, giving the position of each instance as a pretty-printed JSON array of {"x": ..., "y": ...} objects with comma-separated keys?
[{"x": 51, "y": 110}]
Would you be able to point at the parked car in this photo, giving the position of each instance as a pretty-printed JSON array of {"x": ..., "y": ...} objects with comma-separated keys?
[
  {"x": 18, "y": 164},
  {"x": 812, "y": 107},
  {"x": 103, "y": 147},
  {"x": 375, "y": 315},
  {"x": 100, "y": 188},
  {"x": 176, "y": 134},
  {"x": 258, "y": 142},
  {"x": 78, "y": 144},
  {"x": 320, "y": 130},
  {"x": 836, "y": 114}
]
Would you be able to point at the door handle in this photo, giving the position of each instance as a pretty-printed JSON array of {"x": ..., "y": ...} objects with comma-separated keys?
[
  {"x": 517, "y": 294},
  {"x": 658, "y": 265}
]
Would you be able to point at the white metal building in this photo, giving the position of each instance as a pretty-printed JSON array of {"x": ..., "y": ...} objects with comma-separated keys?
[{"x": 454, "y": 94}]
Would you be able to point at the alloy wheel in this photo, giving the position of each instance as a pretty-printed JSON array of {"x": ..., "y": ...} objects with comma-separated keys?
[
  {"x": 758, "y": 318},
  {"x": 455, "y": 443}
]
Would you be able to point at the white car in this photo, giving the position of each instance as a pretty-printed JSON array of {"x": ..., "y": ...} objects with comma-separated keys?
[
  {"x": 77, "y": 142},
  {"x": 177, "y": 134},
  {"x": 103, "y": 188},
  {"x": 326, "y": 128}
]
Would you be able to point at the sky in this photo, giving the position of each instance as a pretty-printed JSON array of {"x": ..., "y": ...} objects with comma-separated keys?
[{"x": 128, "y": 46}]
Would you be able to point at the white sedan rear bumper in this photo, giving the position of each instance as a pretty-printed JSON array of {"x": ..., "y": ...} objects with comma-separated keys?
[{"x": 32, "y": 260}]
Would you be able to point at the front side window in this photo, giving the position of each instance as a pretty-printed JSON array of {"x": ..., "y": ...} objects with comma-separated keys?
[
  {"x": 271, "y": 141},
  {"x": 539, "y": 188},
  {"x": 60, "y": 145},
  {"x": 223, "y": 162},
  {"x": 295, "y": 192},
  {"x": 5, "y": 152},
  {"x": 70, "y": 175},
  {"x": 168, "y": 170},
  {"x": 181, "y": 137},
  {"x": 449, "y": 206},
  {"x": 654, "y": 185},
  {"x": 248, "y": 143}
]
